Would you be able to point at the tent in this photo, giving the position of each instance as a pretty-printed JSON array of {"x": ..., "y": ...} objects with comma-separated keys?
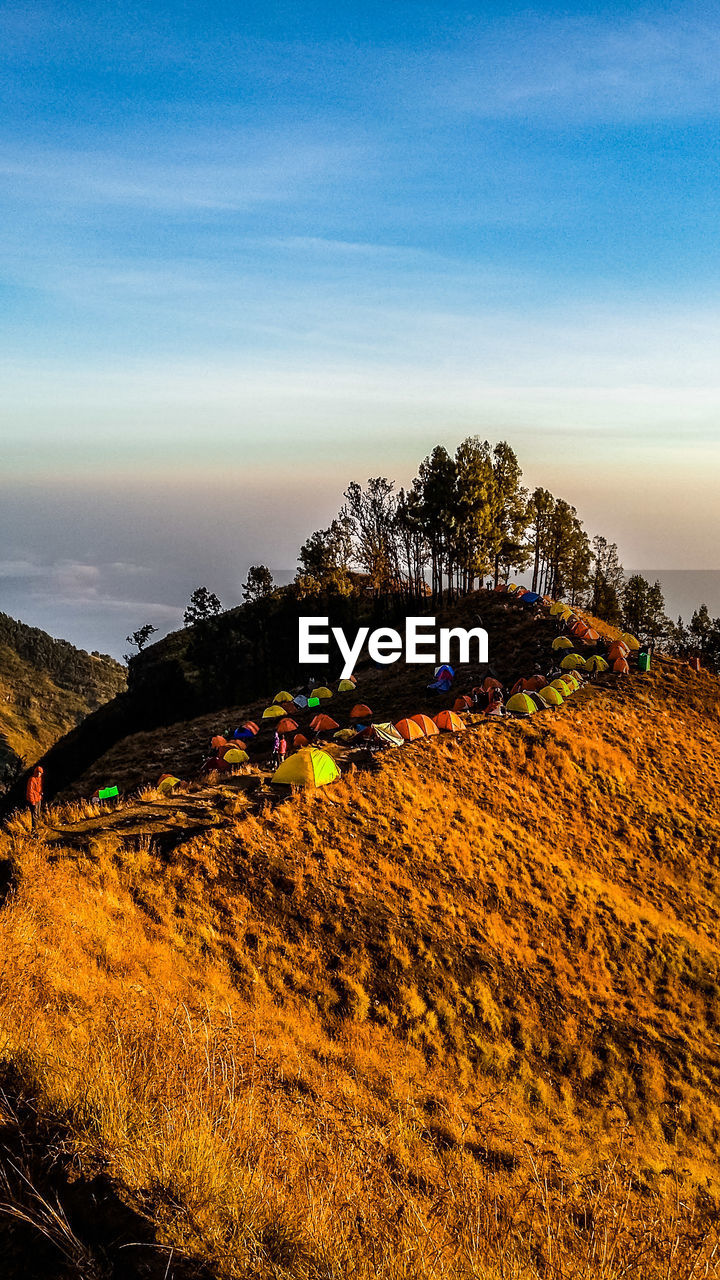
[
  {"x": 490, "y": 683},
  {"x": 521, "y": 704},
  {"x": 344, "y": 735},
  {"x": 300, "y": 741},
  {"x": 323, "y": 724},
  {"x": 427, "y": 725},
  {"x": 630, "y": 641},
  {"x": 273, "y": 713},
  {"x": 562, "y": 642},
  {"x": 540, "y": 702},
  {"x": 591, "y": 637},
  {"x": 552, "y": 696},
  {"x": 251, "y": 726},
  {"x": 521, "y": 591},
  {"x": 286, "y": 725},
  {"x": 563, "y": 687},
  {"x": 449, "y": 722},
  {"x": 572, "y": 679},
  {"x": 519, "y": 686},
  {"x": 283, "y": 696},
  {"x": 236, "y": 756},
  {"x": 501, "y": 586},
  {"x": 617, "y": 650},
  {"x": 558, "y": 608},
  {"x": 346, "y": 686},
  {"x": 621, "y": 667},
  {"x": 384, "y": 732},
  {"x": 535, "y": 684},
  {"x": 442, "y": 680},
  {"x": 218, "y": 741},
  {"x": 571, "y": 662},
  {"x": 463, "y": 703},
  {"x": 300, "y": 701},
  {"x": 166, "y": 783},
  {"x": 321, "y": 692},
  {"x": 530, "y": 597},
  {"x": 309, "y": 767},
  {"x": 596, "y": 664},
  {"x": 361, "y": 712},
  {"x": 409, "y": 729}
]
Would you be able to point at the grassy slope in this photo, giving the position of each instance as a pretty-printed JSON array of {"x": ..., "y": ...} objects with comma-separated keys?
[
  {"x": 459, "y": 1017},
  {"x": 35, "y": 710}
]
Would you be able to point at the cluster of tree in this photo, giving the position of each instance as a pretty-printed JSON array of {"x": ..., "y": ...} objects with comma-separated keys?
[
  {"x": 699, "y": 638},
  {"x": 462, "y": 520}
]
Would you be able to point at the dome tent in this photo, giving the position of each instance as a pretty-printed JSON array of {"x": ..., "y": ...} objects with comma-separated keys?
[{"x": 309, "y": 767}]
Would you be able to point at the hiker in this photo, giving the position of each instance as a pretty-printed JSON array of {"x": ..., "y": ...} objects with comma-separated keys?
[
  {"x": 275, "y": 759},
  {"x": 282, "y": 748},
  {"x": 34, "y": 794}
]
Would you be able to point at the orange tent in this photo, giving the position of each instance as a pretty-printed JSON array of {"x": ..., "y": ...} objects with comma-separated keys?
[
  {"x": 490, "y": 683},
  {"x": 300, "y": 741},
  {"x": 427, "y": 725},
  {"x": 448, "y": 721},
  {"x": 360, "y": 712},
  {"x": 519, "y": 686},
  {"x": 620, "y": 667},
  {"x": 463, "y": 703},
  {"x": 617, "y": 650},
  {"x": 535, "y": 683},
  {"x": 251, "y": 725},
  {"x": 218, "y": 741},
  {"x": 323, "y": 724},
  {"x": 591, "y": 637},
  {"x": 286, "y": 725},
  {"x": 409, "y": 729}
]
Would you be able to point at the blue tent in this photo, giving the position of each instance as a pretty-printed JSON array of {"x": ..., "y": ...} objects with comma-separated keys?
[
  {"x": 443, "y": 679},
  {"x": 530, "y": 597}
]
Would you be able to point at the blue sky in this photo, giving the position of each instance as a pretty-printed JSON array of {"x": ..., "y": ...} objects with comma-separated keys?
[{"x": 250, "y": 252}]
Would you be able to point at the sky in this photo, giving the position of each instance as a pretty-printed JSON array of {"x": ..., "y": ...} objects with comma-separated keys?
[{"x": 250, "y": 252}]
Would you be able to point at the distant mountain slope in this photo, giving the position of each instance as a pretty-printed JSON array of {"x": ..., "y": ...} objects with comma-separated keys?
[{"x": 47, "y": 687}]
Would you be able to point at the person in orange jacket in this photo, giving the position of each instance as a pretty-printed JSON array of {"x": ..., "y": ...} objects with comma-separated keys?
[{"x": 34, "y": 793}]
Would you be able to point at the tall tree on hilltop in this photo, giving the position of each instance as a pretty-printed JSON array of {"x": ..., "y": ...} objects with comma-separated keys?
[
  {"x": 324, "y": 561},
  {"x": 370, "y": 514},
  {"x": 643, "y": 609},
  {"x": 607, "y": 580},
  {"x": 203, "y": 604},
  {"x": 437, "y": 477},
  {"x": 474, "y": 533},
  {"x": 411, "y": 537},
  {"x": 539, "y": 515},
  {"x": 510, "y": 511}
]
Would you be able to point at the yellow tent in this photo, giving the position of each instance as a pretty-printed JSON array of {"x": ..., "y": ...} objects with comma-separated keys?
[
  {"x": 345, "y": 735},
  {"x": 562, "y": 642},
  {"x": 572, "y": 662},
  {"x": 564, "y": 687},
  {"x": 558, "y": 608},
  {"x": 630, "y": 641},
  {"x": 166, "y": 783},
  {"x": 552, "y": 695},
  {"x": 322, "y": 692},
  {"x": 308, "y": 767},
  {"x": 283, "y": 696},
  {"x": 596, "y": 663},
  {"x": 273, "y": 712},
  {"x": 522, "y": 704},
  {"x": 236, "y": 756},
  {"x": 346, "y": 686}
]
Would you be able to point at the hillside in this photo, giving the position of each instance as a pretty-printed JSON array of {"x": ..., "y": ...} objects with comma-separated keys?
[
  {"x": 47, "y": 687},
  {"x": 453, "y": 1016}
]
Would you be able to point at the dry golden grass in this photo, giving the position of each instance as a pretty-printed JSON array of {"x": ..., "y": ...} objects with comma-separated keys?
[{"x": 458, "y": 1018}]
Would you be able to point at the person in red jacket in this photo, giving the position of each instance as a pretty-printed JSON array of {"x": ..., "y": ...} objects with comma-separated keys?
[{"x": 34, "y": 793}]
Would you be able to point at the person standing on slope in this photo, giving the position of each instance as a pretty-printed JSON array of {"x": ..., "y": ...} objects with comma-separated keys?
[{"x": 34, "y": 794}]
